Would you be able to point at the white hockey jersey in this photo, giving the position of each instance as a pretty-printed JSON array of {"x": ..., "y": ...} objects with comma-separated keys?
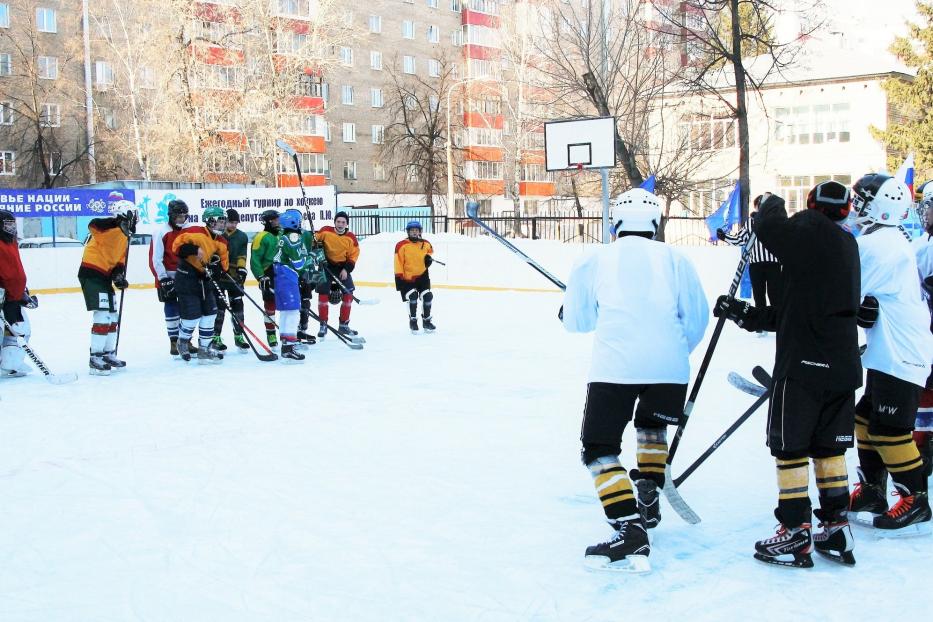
[
  {"x": 900, "y": 343},
  {"x": 647, "y": 306}
]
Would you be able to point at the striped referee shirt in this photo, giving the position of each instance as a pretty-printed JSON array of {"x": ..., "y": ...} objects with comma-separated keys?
[{"x": 759, "y": 253}]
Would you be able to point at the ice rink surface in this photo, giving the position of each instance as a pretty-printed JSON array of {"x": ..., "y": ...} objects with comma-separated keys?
[{"x": 422, "y": 478}]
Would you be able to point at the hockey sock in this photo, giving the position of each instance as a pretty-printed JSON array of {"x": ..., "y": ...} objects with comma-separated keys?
[
  {"x": 868, "y": 457},
  {"x": 427, "y": 298},
  {"x": 99, "y": 331},
  {"x": 832, "y": 481},
  {"x": 901, "y": 458},
  {"x": 793, "y": 477},
  {"x": 346, "y": 304},
  {"x": 269, "y": 306},
  {"x": 205, "y": 330},
  {"x": 219, "y": 320},
  {"x": 172, "y": 319},
  {"x": 652, "y": 453},
  {"x": 412, "y": 297},
  {"x": 305, "y": 314},
  {"x": 613, "y": 487},
  {"x": 322, "y": 306},
  {"x": 112, "y": 334},
  {"x": 288, "y": 325},
  {"x": 186, "y": 329}
]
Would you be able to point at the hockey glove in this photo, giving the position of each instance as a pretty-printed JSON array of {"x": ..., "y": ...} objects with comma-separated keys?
[
  {"x": 428, "y": 260},
  {"x": 560, "y": 314},
  {"x": 720, "y": 234},
  {"x": 400, "y": 285},
  {"x": 167, "y": 287},
  {"x": 733, "y": 309},
  {"x": 867, "y": 312},
  {"x": 119, "y": 279},
  {"x": 29, "y": 301},
  {"x": 241, "y": 274},
  {"x": 265, "y": 286}
]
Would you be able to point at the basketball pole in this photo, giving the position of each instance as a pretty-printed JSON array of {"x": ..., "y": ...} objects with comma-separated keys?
[
  {"x": 604, "y": 65},
  {"x": 606, "y": 232}
]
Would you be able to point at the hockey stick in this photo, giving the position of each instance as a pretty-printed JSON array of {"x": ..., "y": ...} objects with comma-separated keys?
[
  {"x": 334, "y": 279},
  {"x": 353, "y": 345},
  {"x": 49, "y": 376},
  {"x": 670, "y": 488},
  {"x": 265, "y": 358},
  {"x": 126, "y": 262},
  {"x": 472, "y": 210},
  {"x": 745, "y": 385},
  {"x": 438, "y": 261},
  {"x": 267, "y": 317}
]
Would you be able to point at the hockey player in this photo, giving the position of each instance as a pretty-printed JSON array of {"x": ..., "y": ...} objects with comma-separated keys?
[
  {"x": 163, "y": 262},
  {"x": 202, "y": 255},
  {"x": 14, "y": 296},
  {"x": 313, "y": 280},
  {"x": 103, "y": 267},
  {"x": 289, "y": 263},
  {"x": 342, "y": 250},
  {"x": 923, "y": 245},
  {"x": 646, "y": 304},
  {"x": 816, "y": 370},
  {"x": 233, "y": 282},
  {"x": 265, "y": 246},
  {"x": 412, "y": 260},
  {"x": 898, "y": 359}
]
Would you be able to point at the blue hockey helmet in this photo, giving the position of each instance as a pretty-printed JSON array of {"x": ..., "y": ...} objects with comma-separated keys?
[
  {"x": 291, "y": 219},
  {"x": 413, "y": 224}
]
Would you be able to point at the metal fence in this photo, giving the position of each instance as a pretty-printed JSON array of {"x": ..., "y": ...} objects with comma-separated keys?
[{"x": 681, "y": 231}]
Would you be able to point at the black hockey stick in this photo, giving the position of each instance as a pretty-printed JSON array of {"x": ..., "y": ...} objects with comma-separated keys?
[
  {"x": 334, "y": 279},
  {"x": 745, "y": 385},
  {"x": 350, "y": 343},
  {"x": 265, "y": 358},
  {"x": 472, "y": 210},
  {"x": 267, "y": 317},
  {"x": 126, "y": 262},
  {"x": 758, "y": 371},
  {"x": 49, "y": 376},
  {"x": 670, "y": 488}
]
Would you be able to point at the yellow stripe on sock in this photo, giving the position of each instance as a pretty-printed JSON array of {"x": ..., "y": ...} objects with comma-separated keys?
[
  {"x": 793, "y": 478},
  {"x": 899, "y": 453}
]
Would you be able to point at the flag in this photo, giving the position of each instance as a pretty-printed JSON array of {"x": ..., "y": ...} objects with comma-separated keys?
[
  {"x": 648, "y": 184},
  {"x": 728, "y": 214},
  {"x": 906, "y": 173}
]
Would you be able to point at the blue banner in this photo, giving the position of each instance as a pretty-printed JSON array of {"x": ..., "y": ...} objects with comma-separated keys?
[
  {"x": 728, "y": 214},
  {"x": 58, "y": 202}
]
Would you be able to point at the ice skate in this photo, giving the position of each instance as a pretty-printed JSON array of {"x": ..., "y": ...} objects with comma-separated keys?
[
  {"x": 626, "y": 551},
  {"x": 113, "y": 361},
  {"x": 910, "y": 516},
  {"x": 98, "y": 366},
  {"x": 835, "y": 541},
  {"x": 867, "y": 500},
  {"x": 789, "y": 547}
]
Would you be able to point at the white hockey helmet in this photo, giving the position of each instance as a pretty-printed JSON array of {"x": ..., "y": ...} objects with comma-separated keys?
[
  {"x": 636, "y": 210},
  {"x": 880, "y": 199},
  {"x": 124, "y": 208}
]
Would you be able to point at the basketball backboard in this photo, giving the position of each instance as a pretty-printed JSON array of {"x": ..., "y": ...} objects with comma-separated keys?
[{"x": 574, "y": 144}]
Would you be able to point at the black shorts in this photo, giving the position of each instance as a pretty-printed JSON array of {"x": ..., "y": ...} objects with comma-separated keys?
[
  {"x": 196, "y": 297},
  {"x": 610, "y": 407},
  {"x": 12, "y": 312},
  {"x": 805, "y": 420},
  {"x": 421, "y": 284},
  {"x": 888, "y": 402}
]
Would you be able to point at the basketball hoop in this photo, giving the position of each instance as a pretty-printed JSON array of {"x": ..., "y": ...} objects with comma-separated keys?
[{"x": 579, "y": 166}]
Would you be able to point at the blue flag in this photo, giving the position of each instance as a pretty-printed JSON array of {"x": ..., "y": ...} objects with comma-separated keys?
[
  {"x": 728, "y": 214},
  {"x": 648, "y": 184}
]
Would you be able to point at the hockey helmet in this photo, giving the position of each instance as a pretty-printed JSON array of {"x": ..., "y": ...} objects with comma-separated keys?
[
  {"x": 177, "y": 208},
  {"x": 880, "y": 199},
  {"x": 291, "y": 220},
  {"x": 125, "y": 211},
  {"x": 7, "y": 226},
  {"x": 635, "y": 211},
  {"x": 831, "y": 198},
  {"x": 214, "y": 219}
]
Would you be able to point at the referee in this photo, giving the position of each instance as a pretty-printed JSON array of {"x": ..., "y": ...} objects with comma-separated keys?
[{"x": 764, "y": 268}]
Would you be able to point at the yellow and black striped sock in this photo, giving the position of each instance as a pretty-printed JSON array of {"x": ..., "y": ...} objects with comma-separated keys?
[
  {"x": 613, "y": 487},
  {"x": 652, "y": 453},
  {"x": 793, "y": 478},
  {"x": 901, "y": 458},
  {"x": 832, "y": 481},
  {"x": 868, "y": 457}
]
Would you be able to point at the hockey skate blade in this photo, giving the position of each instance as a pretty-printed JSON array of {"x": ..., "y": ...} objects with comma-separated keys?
[
  {"x": 366, "y": 302},
  {"x": 632, "y": 564},
  {"x": 290, "y": 361},
  {"x": 845, "y": 558},
  {"x": 12, "y": 373},
  {"x": 99, "y": 372},
  {"x": 916, "y": 530},
  {"x": 677, "y": 502},
  {"x": 863, "y": 519},
  {"x": 802, "y": 560}
]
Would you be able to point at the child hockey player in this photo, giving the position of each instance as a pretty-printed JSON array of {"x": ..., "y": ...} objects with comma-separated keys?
[
  {"x": 103, "y": 267},
  {"x": 640, "y": 356},
  {"x": 898, "y": 358},
  {"x": 412, "y": 260},
  {"x": 233, "y": 282},
  {"x": 923, "y": 245},
  {"x": 342, "y": 250},
  {"x": 163, "y": 262},
  {"x": 13, "y": 297},
  {"x": 202, "y": 254},
  {"x": 314, "y": 280},
  {"x": 289, "y": 263},
  {"x": 816, "y": 370},
  {"x": 265, "y": 246}
]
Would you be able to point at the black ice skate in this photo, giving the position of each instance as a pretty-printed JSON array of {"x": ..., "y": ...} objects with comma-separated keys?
[
  {"x": 790, "y": 547},
  {"x": 428, "y": 325},
  {"x": 307, "y": 338},
  {"x": 183, "y": 350},
  {"x": 649, "y": 504},
  {"x": 413, "y": 326},
  {"x": 113, "y": 361},
  {"x": 290, "y": 355},
  {"x": 209, "y": 356},
  {"x": 241, "y": 343},
  {"x": 626, "y": 551},
  {"x": 218, "y": 344},
  {"x": 835, "y": 542},
  {"x": 910, "y": 516},
  {"x": 322, "y": 331},
  {"x": 173, "y": 348},
  {"x": 868, "y": 498},
  {"x": 98, "y": 366},
  {"x": 346, "y": 330}
]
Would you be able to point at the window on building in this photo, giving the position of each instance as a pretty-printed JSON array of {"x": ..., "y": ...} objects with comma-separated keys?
[
  {"x": 291, "y": 7},
  {"x": 408, "y": 64},
  {"x": 7, "y": 163},
  {"x": 348, "y": 18},
  {"x": 434, "y": 68},
  {"x": 478, "y": 169},
  {"x": 490, "y": 7},
  {"x": 456, "y": 37},
  {"x": 6, "y": 113},
  {"x": 103, "y": 29},
  {"x": 795, "y": 188},
  {"x": 310, "y": 86},
  {"x": 375, "y": 96},
  {"x": 535, "y": 172},
  {"x": 147, "y": 78},
  {"x": 707, "y": 197},
  {"x": 455, "y": 5},
  {"x": 483, "y": 137},
  {"x": 327, "y": 131},
  {"x": 6, "y": 65},
  {"x": 379, "y": 171},
  {"x": 346, "y": 95},
  {"x": 349, "y": 170},
  {"x": 108, "y": 117},
  {"x": 481, "y": 35},
  {"x": 375, "y": 24},
  {"x": 375, "y": 60},
  {"x": 486, "y": 106},
  {"x": 349, "y": 132},
  {"x": 408, "y": 29},
  {"x": 432, "y": 4},
  {"x": 817, "y": 124},
  {"x": 50, "y": 115},
  {"x": 485, "y": 69},
  {"x": 710, "y": 131},
  {"x": 46, "y": 20},
  {"x": 103, "y": 75},
  {"x": 434, "y": 34},
  {"x": 346, "y": 56},
  {"x": 288, "y": 42},
  {"x": 4, "y": 15},
  {"x": 48, "y": 67},
  {"x": 378, "y": 134},
  {"x": 55, "y": 163}
]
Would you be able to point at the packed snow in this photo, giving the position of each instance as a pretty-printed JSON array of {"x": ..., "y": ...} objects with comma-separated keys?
[{"x": 431, "y": 477}]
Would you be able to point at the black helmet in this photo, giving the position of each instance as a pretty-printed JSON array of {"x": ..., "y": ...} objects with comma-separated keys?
[
  {"x": 7, "y": 226},
  {"x": 176, "y": 207},
  {"x": 233, "y": 215}
]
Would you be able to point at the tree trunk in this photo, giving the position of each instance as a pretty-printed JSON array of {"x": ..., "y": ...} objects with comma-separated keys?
[
  {"x": 581, "y": 228},
  {"x": 665, "y": 217},
  {"x": 741, "y": 109}
]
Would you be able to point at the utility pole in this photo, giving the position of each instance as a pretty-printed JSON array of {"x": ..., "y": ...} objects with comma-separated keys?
[
  {"x": 88, "y": 95},
  {"x": 604, "y": 67}
]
